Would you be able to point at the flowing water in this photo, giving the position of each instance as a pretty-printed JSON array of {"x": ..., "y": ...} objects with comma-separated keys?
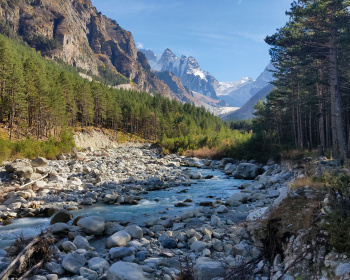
[{"x": 156, "y": 203}]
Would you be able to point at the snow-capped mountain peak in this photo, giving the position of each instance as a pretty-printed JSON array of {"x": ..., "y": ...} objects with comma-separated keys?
[
  {"x": 187, "y": 69},
  {"x": 167, "y": 58}
]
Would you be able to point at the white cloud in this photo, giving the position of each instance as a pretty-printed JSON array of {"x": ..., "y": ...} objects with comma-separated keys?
[
  {"x": 239, "y": 2},
  {"x": 139, "y": 45}
]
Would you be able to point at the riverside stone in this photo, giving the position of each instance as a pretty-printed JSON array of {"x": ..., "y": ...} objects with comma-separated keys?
[
  {"x": 62, "y": 216},
  {"x": 125, "y": 271},
  {"x": 247, "y": 171},
  {"x": 135, "y": 231},
  {"x": 39, "y": 162},
  {"x": 207, "y": 269},
  {"x": 120, "y": 252},
  {"x": 198, "y": 246},
  {"x": 69, "y": 246},
  {"x": 119, "y": 239},
  {"x": 73, "y": 262},
  {"x": 98, "y": 264},
  {"x": 92, "y": 225},
  {"x": 81, "y": 243},
  {"x": 169, "y": 243}
]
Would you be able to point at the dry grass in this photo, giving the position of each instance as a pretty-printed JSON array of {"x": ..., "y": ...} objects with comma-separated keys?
[
  {"x": 295, "y": 214},
  {"x": 312, "y": 182},
  {"x": 206, "y": 153}
]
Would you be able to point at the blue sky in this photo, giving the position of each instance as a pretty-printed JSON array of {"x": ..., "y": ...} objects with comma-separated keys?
[{"x": 225, "y": 36}]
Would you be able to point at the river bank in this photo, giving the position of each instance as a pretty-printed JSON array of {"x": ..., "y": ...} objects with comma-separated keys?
[{"x": 131, "y": 213}]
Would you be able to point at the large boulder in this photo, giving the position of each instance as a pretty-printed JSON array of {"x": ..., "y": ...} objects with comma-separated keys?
[
  {"x": 62, "y": 216},
  {"x": 246, "y": 171},
  {"x": 207, "y": 269},
  {"x": 125, "y": 271},
  {"x": 92, "y": 225},
  {"x": 229, "y": 168},
  {"x": 73, "y": 262},
  {"x": 39, "y": 162},
  {"x": 119, "y": 239}
]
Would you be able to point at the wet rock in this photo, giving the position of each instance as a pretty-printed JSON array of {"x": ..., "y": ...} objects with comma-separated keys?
[
  {"x": 125, "y": 271},
  {"x": 62, "y": 216},
  {"x": 92, "y": 225}
]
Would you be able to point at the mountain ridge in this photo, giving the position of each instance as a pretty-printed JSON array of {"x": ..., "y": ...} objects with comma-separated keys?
[{"x": 83, "y": 38}]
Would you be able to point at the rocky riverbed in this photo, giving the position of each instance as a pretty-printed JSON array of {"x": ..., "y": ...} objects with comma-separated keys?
[{"x": 71, "y": 196}]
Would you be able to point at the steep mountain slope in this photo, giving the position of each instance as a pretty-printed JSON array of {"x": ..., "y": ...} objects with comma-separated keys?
[
  {"x": 76, "y": 32},
  {"x": 240, "y": 96},
  {"x": 246, "y": 111},
  {"x": 187, "y": 69}
]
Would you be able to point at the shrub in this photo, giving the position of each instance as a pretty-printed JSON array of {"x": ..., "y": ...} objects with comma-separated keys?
[{"x": 338, "y": 219}]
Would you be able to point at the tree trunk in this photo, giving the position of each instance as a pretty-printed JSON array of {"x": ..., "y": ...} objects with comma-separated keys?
[{"x": 338, "y": 129}]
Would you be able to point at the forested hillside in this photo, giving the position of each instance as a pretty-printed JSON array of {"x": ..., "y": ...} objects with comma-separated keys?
[
  {"x": 310, "y": 105},
  {"x": 40, "y": 97}
]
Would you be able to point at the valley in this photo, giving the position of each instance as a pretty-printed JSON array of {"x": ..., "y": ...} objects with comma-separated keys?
[{"x": 120, "y": 162}]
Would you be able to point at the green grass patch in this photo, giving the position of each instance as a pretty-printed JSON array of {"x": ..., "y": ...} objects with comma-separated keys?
[{"x": 30, "y": 148}]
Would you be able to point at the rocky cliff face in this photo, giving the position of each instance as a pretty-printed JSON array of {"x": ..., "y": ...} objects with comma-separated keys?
[{"x": 87, "y": 38}]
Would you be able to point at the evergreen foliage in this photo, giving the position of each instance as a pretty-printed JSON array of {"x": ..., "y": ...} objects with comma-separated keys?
[
  {"x": 309, "y": 107},
  {"x": 40, "y": 97}
]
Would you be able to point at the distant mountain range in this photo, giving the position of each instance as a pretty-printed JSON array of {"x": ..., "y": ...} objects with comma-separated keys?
[
  {"x": 77, "y": 33},
  {"x": 242, "y": 94},
  {"x": 201, "y": 82}
]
